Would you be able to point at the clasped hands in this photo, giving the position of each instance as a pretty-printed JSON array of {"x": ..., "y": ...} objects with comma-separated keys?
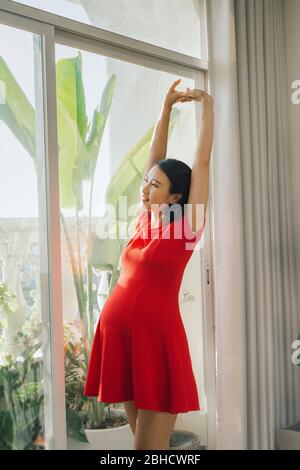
[{"x": 173, "y": 96}]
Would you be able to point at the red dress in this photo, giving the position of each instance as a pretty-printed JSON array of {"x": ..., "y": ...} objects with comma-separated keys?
[{"x": 140, "y": 350}]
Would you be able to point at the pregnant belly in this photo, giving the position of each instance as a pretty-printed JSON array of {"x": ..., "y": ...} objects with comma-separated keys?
[
  {"x": 139, "y": 310},
  {"x": 117, "y": 310}
]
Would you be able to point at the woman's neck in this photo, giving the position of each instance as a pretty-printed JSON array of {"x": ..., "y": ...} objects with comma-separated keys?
[{"x": 156, "y": 219}]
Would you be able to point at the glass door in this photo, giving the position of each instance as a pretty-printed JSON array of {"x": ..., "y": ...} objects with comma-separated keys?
[
  {"x": 106, "y": 111},
  {"x": 29, "y": 379}
]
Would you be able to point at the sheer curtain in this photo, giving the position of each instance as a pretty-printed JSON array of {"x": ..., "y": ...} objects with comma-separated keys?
[{"x": 258, "y": 386}]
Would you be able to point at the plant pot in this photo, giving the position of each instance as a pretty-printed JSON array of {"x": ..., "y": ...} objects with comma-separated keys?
[
  {"x": 184, "y": 440},
  {"x": 290, "y": 437},
  {"x": 111, "y": 438}
]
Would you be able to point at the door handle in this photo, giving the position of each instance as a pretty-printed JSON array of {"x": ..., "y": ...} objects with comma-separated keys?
[{"x": 186, "y": 296}]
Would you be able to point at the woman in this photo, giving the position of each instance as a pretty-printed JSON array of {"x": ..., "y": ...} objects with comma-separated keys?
[{"x": 140, "y": 353}]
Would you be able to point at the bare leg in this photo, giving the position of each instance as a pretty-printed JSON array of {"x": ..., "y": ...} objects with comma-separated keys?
[
  {"x": 131, "y": 412},
  {"x": 153, "y": 430}
]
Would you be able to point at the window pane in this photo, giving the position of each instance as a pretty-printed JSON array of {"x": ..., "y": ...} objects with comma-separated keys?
[
  {"x": 24, "y": 331},
  {"x": 172, "y": 24},
  {"x": 107, "y": 110}
]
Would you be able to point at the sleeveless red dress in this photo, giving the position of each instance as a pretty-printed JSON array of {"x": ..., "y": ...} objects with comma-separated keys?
[{"x": 140, "y": 350}]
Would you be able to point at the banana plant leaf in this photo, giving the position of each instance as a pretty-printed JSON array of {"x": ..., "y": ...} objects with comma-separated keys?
[
  {"x": 78, "y": 150},
  {"x": 17, "y": 111},
  {"x": 78, "y": 141}
]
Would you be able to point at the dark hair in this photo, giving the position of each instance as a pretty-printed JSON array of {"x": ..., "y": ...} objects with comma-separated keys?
[{"x": 179, "y": 174}]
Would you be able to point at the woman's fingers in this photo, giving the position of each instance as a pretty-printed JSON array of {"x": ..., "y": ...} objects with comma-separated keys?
[
  {"x": 174, "y": 84},
  {"x": 189, "y": 95},
  {"x": 185, "y": 98}
]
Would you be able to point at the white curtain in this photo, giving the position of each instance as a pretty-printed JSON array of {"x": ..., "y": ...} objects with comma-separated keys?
[{"x": 258, "y": 386}]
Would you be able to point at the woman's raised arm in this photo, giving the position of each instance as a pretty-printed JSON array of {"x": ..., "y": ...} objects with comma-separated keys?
[
  {"x": 199, "y": 188},
  {"x": 159, "y": 141}
]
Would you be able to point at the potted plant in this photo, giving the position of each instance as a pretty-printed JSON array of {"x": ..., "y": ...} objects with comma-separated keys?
[
  {"x": 22, "y": 394},
  {"x": 90, "y": 424},
  {"x": 21, "y": 405},
  {"x": 21, "y": 386}
]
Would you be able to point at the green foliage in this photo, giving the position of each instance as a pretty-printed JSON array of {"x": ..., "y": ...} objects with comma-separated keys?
[
  {"x": 21, "y": 404},
  {"x": 8, "y": 301}
]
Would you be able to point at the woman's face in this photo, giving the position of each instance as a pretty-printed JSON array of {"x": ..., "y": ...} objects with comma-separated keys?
[{"x": 155, "y": 189}]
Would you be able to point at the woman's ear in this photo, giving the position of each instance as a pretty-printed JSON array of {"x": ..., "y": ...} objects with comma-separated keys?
[{"x": 177, "y": 197}]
